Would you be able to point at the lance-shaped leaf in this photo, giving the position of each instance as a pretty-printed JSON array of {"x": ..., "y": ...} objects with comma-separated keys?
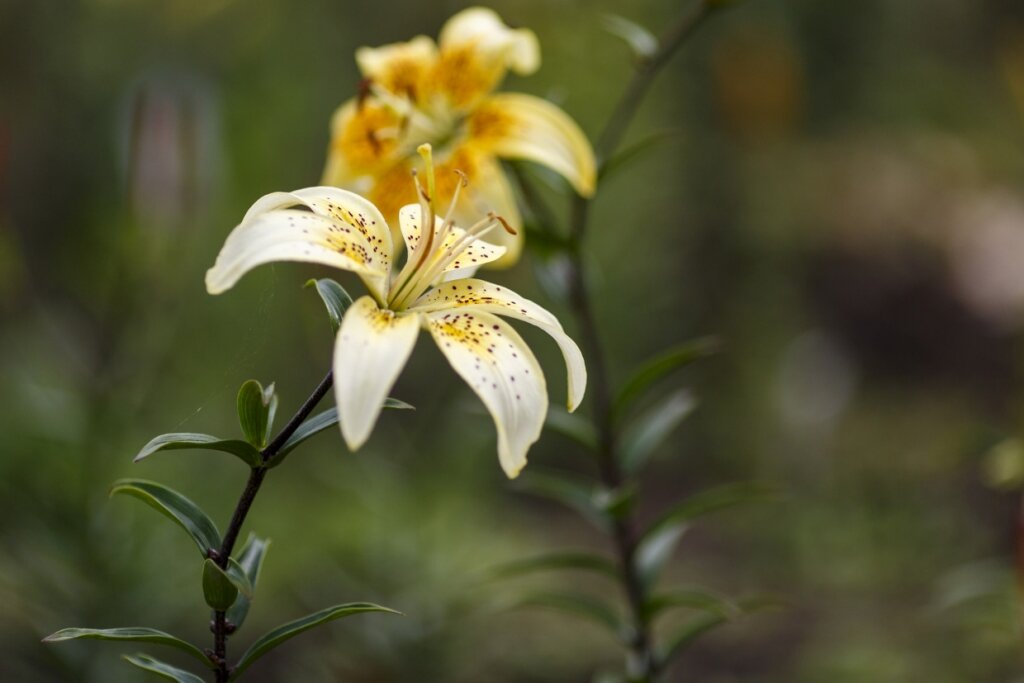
[
  {"x": 134, "y": 633},
  {"x": 659, "y": 366},
  {"x": 162, "y": 670},
  {"x": 656, "y": 545},
  {"x": 632, "y": 153},
  {"x": 691, "y": 598},
  {"x": 582, "y": 606},
  {"x": 175, "y": 507},
  {"x": 319, "y": 423},
  {"x": 188, "y": 440},
  {"x": 642, "y": 42},
  {"x": 293, "y": 628},
  {"x": 335, "y": 298},
  {"x": 256, "y": 409},
  {"x": 219, "y": 590},
  {"x": 579, "y": 560},
  {"x": 685, "y": 635},
  {"x": 572, "y": 425},
  {"x": 574, "y": 493},
  {"x": 251, "y": 561},
  {"x": 650, "y": 429}
]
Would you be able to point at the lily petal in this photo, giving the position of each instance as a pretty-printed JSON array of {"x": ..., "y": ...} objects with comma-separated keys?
[
  {"x": 337, "y": 228},
  {"x": 476, "y": 296},
  {"x": 371, "y": 348},
  {"x": 476, "y": 50},
  {"x": 496, "y": 363},
  {"x": 518, "y": 126},
  {"x": 470, "y": 257},
  {"x": 400, "y": 68}
]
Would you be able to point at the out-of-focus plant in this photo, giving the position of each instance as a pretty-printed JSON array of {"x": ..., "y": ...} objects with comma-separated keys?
[{"x": 621, "y": 434}]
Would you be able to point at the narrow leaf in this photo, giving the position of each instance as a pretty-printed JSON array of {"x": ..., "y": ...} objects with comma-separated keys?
[
  {"x": 574, "y": 426},
  {"x": 251, "y": 560},
  {"x": 319, "y": 423},
  {"x": 582, "y": 606},
  {"x": 187, "y": 440},
  {"x": 137, "y": 634},
  {"x": 692, "y": 598},
  {"x": 691, "y": 631},
  {"x": 632, "y": 153},
  {"x": 176, "y": 507},
  {"x": 239, "y": 578},
  {"x": 653, "y": 553},
  {"x": 219, "y": 590},
  {"x": 711, "y": 500},
  {"x": 661, "y": 365},
  {"x": 293, "y": 628},
  {"x": 563, "y": 488},
  {"x": 253, "y": 413},
  {"x": 580, "y": 560},
  {"x": 651, "y": 428},
  {"x": 166, "y": 671},
  {"x": 270, "y": 401},
  {"x": 642, "y": 42},
  {"x": 335, "y": 298}
]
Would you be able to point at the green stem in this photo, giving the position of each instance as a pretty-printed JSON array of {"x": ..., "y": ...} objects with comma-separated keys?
[
  {"x": 642, "y": 649},
  {"x": 220, "y": 626}
]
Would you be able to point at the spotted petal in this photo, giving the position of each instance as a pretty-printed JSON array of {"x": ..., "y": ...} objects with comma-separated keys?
[
  {"x": 496, "y": 363},
  {"x": 370, "y": 351},
  {"x": 400, "y": 68},
  {"x": 468, "y": 258},
  {"x": 471, "y": 295},
  {"x": 333, "y": 228},
  {"x": 476, "y": 48},
  {"x": 518, "y": 126}
]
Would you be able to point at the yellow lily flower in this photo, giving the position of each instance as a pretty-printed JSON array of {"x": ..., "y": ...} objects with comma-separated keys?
[
  {"x": 435, "y": 290},
  {"x": 441, "y": 93}
]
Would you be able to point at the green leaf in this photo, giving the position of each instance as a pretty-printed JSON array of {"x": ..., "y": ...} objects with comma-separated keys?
[
  {"x": 238, "y": 576},
  {"x": 642, "y": 42},
  {"x": 692, "y": 598},
  {"x": 576, "y": 427},
  {"x": 661, "y": 365},
  {"x": 654, "y": 552},
  {"x": 270, "y": 401},
  {"x": 187, "y": 440},
  {"x": 219, "y": 590},
  {"x": 691, "y": 631},
  {"x": 176, "y": 507},
  {"x": 633, "y": 152},
  {"x": 555, "y": 561},
  {"x": 574, "y": 493},
  {"x": 711, "y": 500},
  {"x": 651, "y": 428},
  {"x": 255, "y": 408},
  {"x": 319, "y": 423},
  {"x": 137, "y": 634},
  {"x": 251, "y": 560},
  {"x": 335, "y": 298},
  {"x": 293, "y": 628},
  {"x": 166, "y": 671},
  {"x": 582, "y": 606}
]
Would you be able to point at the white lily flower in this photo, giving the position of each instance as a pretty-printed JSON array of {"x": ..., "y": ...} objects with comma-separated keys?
[{"x": 435, "y": 290}]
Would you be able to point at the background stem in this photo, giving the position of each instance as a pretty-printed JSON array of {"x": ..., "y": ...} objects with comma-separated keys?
[{"x": 643, "y": 656}]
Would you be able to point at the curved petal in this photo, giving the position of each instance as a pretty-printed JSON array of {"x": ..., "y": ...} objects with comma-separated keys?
[
  {"x": 518, "y": 126},
  {"x": 480, "y": 296},
  {"x": 496, "y": 363},
  {"x": 476, "y": 50},
  {"x": 371, "y": 348},
  {"x": 400, "y": 68},
  {"x": 365, "y": 139},
  {"x": 336, "y": 228}
]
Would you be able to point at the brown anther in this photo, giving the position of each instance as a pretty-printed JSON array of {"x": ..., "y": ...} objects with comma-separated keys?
[
  {"x": 365, "y": 87},
  {"x": 465, "y": 178},
  {"x": 508, "y": 228}
]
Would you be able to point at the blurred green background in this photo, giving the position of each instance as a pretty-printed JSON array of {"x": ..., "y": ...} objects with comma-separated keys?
[{"x": 843, "y": 206}]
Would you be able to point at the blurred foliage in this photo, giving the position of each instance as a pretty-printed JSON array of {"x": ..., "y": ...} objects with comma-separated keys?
[{"x": 840, "y": 201}]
